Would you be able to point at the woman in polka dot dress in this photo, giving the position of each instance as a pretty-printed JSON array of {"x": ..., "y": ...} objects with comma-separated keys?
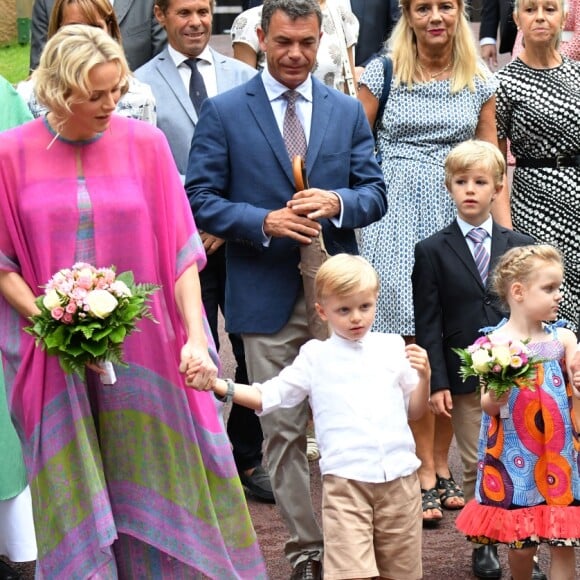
[
  {"x": 538, "y": 110},
  {"x": 441, "y": 94}
]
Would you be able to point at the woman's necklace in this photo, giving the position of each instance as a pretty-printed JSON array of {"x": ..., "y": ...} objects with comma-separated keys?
[{"x": 432, "y": 76}]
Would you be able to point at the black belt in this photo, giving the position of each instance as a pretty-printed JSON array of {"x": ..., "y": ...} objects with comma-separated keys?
[{"x": 555, "y": 162}]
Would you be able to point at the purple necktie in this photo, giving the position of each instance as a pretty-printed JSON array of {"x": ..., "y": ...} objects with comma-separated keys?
[
  {"x": 294, "y": 136},
  {"x": 480, "y": 254}
]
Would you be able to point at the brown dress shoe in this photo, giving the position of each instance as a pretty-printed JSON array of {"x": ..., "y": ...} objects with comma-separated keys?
[{"x": 307, "y": 570}]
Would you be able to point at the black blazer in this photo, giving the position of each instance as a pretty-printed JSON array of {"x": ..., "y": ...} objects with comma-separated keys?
[
  {"x": 450, "y": 302},
  {"x": 496, "y": 13}
]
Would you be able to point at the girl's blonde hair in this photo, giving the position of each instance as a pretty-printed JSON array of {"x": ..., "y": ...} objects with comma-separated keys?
[
  {"x": 466, "y": 64},
  {"x": 475, "y": 153},
  {"x": 62, "y": 77},
  {"x": 92, "y": 11},
  {"x": 520, "y": 265},
  {"x": 344, "y": 274}
]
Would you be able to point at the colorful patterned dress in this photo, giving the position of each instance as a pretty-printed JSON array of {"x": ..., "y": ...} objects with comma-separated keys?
[
  {"x": 137, "y": 479},
  {"x": 528, "y": 482}
]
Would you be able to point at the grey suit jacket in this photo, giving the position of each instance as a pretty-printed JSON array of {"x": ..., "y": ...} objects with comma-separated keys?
[
  {"x": 176, "y": 116},
  {"x": 141, "y": 34}
]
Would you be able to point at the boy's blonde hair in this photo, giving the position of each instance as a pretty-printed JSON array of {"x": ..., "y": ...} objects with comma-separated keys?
[
  {"x": 475, "y": 153},
  {"x": 344, "y": 274},
  {"x": 520, "y": 265},
  {"x": 62, "y": 77}
]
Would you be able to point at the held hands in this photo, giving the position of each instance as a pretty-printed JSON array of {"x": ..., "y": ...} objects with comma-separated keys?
[
  {"x": 198, "y": 367},
  {"x": 298, "y": 219}
]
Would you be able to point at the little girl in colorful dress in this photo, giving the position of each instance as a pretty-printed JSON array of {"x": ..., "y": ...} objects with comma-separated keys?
[{"x": 528, "y": 483}]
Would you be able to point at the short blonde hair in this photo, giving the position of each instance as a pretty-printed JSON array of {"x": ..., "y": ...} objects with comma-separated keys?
[
  {"x": 520, "y": 265},
  {"x": 66, "y": 62},
  {"x": 92, "y": 11},
  {"x": 344, "y": 274},
  {"x": 466, "y": 64},
  {"x": 475, "y": 153}
]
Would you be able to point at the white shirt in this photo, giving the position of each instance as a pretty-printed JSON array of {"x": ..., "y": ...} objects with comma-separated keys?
[
  {"x": 205, "y": 66},
  {"x": 359, "y": 393},
  {"x": 465, "y": 228}
]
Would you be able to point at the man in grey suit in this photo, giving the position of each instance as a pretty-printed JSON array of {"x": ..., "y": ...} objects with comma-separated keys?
[
  {"x": 188, "y": 24},
  {"x": 142, "y": 36}
]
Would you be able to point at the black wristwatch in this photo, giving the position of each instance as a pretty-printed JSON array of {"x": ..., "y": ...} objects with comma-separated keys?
[{"x": 229, "y": 393}]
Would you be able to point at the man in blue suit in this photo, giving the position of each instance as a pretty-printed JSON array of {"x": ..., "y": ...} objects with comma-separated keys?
[
  {"x": 188, "y": 24},
  {"x": 240, "y": 185}
]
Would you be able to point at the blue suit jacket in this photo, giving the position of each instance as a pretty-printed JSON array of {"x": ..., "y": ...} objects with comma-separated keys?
[
  {"x": 142, "y": 35},
  {"x": 239, "y": 171},
  {"x": 451, "y": 303},
  {"x": 176, "y": 116}
]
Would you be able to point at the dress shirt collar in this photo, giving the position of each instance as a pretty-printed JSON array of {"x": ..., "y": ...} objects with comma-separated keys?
[
  {"x": 275, "y": 89},
  {"x": 465, "y": 227},
  {"x": 178, "y": 58}
]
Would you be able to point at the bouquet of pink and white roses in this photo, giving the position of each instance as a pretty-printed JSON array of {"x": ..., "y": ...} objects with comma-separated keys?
[
  {"x": 500, "y": 364},
  {"x": 86, "y": 313}
]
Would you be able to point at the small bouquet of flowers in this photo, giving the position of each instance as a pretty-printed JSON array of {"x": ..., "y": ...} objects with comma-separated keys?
[
  {"x": 499, "y": 363},
  {"x": 85, "y": 315}
]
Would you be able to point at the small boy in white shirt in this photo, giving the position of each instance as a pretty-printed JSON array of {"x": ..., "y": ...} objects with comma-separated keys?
[{"x": 363, "y": 387}]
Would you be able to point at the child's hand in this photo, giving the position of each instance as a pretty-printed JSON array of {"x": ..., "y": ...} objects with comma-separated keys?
[
  {"x": 500, "y": 401},
  {"x": 419, "y": 360},
  {"x": 576, "y": 383}
]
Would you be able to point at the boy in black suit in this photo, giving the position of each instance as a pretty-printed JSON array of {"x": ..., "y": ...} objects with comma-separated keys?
[{"x": 452, "y": 301}]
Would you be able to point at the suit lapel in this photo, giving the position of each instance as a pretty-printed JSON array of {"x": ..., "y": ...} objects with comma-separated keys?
[
  {"x": 499, "y": 244},
  {"x": 122, "y": 8},
  {"x": 170, "y": 75},
  {"x": 262, "y": 112},
  {"x": 321, "y": 114},
  {"x": 222, "y": 72},
  {"x": 458, "y": 245}
]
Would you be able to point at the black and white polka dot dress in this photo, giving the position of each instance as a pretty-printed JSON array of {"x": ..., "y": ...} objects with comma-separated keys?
[
  {"x": 421, "y": 126},
  {"x": 538, "y": 110}
]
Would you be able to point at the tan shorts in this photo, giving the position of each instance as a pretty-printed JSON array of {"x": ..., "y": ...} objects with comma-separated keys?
[{"x": 372, "y": 529}]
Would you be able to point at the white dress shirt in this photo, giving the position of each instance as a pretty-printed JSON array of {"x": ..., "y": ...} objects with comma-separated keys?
[{"x": 359, "y": 393}]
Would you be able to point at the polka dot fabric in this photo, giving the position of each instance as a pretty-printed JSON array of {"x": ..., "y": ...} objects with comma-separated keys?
[
  {"x": 421, "y": 126},
  {"x": 539, "y": 112}
]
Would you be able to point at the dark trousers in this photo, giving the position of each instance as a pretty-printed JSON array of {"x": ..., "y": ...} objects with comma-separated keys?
[{"x": 244, "y": 429}]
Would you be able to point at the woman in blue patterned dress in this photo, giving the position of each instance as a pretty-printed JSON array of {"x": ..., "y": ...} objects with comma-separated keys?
[{"x": 440, "y": 95}]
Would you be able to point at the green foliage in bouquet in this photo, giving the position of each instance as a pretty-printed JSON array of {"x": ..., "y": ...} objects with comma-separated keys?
[{"x": 86, "y": 313}]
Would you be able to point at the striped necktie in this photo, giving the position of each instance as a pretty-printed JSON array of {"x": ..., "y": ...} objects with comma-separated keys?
[{"x": 480, "y": 254}]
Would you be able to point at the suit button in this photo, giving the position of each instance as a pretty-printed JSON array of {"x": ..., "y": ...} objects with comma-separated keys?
[{"x": 487, "y": 301}]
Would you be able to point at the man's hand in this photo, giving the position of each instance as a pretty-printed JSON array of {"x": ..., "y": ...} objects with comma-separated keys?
[
  {"x": 441, "y": 403},
  {"x": 286, "y": 223},
  {"x": 315, "y": 203},
  {"x": 489, "y": 55},
  {"x": 211, "y": 243}
]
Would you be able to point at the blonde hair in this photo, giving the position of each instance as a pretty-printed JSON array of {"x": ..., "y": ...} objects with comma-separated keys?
[
  {"x": 344, "y": 274},
  {"x": 520, "y": 265},
  {"x": 65, "y": 65},
  {"x": 91, "y": 10},
  {"x": 475, "y": 153},
  {"x": 563, "y": 11},
  {"x": 466, "y": 64}
]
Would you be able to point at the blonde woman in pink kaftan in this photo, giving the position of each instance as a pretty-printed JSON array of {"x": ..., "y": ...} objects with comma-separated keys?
[{"x": 133, "y": 480}]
